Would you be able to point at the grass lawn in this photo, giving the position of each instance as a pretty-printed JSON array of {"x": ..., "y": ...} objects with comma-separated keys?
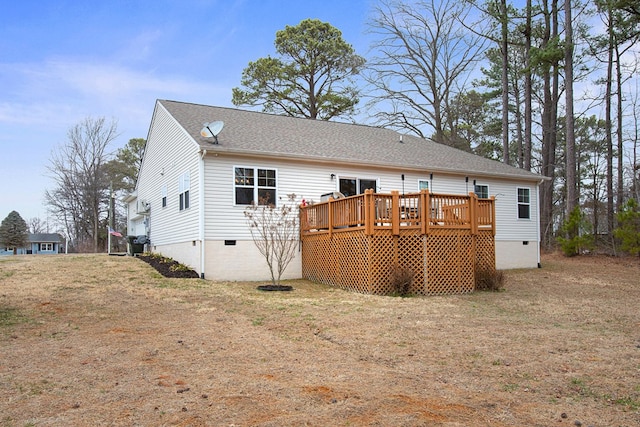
[{"x": 99, "y": 340}]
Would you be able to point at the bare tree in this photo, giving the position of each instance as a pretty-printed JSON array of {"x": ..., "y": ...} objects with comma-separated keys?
[
  {"x": 275, "y": 233},
  {"x": 424, "y": 57},
  {"x": 36, "y": 225},
  {"x": 79, "y": 199}
]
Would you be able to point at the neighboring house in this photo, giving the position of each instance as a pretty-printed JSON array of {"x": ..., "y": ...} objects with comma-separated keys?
[
  {"x": 192, "y": 190},
  {"x": 39, "y": 243}
]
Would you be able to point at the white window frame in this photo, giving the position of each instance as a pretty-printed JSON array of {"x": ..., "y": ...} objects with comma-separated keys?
[
  {"x": 163, "y": 196},
  {"x": 46, "y": 247},
  {"x": 255, "y": 186},
  {"x": 184, "y": 188},
  {"x": 481, "y": 185},
  {"x": 358, "y": 180},
  {"x": 519, "y": 203}
]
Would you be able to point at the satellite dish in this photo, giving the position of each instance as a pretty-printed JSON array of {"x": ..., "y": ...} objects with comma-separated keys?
[{"x": 211, "y": 130}]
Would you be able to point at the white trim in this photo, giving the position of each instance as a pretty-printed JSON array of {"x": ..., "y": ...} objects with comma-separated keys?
[
  {"x": 518, "y": 204},
  {"x": 428, "y": 181},
  {"x": 256, "y": 187},
  {"x": 477, "y": 184},
  {"x": 358, "y": 179},
  {"x": 163, "y": 196},
  {"x": 538, "y": 221}
]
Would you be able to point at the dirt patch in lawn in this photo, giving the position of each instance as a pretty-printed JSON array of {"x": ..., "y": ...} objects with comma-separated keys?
[{"x": 99, "y": 340}]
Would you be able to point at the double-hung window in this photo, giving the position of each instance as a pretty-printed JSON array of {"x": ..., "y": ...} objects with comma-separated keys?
[
  {"x": 184, "y": 185},
  {"x": 524, "y": 203},
  {"x": 482, "y": 191},
  {"x": 46, "y": 247},
  {"x": 163, "y": 195},
  {"x": 255, "y": 185}
]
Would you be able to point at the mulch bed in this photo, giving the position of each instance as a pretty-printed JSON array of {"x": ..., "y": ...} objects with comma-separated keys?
[
  {"x": 164, "y": 267},
  {"x": 278, "y": 288}
]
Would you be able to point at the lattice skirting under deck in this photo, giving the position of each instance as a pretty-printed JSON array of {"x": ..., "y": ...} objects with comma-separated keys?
[{"x": 443, "y": 262}]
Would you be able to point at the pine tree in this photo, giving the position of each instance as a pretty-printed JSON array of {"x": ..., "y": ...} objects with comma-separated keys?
[{"x": 14, "y": 232}]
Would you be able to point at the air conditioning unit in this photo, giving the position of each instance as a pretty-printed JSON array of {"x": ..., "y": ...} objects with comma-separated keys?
[{"x": 142, "y": 206}]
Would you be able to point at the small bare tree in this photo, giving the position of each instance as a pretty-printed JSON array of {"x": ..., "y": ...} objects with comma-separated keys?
[{"x": 275, "y": 232}]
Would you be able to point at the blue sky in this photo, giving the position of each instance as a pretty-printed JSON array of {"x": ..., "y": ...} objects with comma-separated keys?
[{"x": 62, "y": 61}]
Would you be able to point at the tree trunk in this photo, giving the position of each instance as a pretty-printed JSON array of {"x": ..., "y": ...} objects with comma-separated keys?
[
  {"x": 527, "y": 92},
  {"x": 620, "y": 186},
  {"x": 608, "y": 128},
  {"x": 505, "y": 82},
  {"x": 546, "y": 189},
  {"x": 570, "y": 153}
]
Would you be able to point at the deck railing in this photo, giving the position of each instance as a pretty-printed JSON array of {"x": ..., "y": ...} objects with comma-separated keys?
[{"x": 424, "y": 211}]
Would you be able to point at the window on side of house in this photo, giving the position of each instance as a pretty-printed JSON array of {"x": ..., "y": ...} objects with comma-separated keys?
[
  {"x": 255, "y": 184},
  {"x": 184, "y": 186},
  {"x": 423, "y": 184},
  {"x": 46, "y": 247},
  {"x": 524, "y": 203},
  {"x": 163, "y": 195},
  {"x": 353, "y": 186},
  {"x": 482, "y": 191}
]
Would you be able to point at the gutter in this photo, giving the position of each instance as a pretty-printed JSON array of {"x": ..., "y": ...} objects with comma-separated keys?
[
  {"x": 538, "y": 217},
  {"x": 201, "y": 179}
]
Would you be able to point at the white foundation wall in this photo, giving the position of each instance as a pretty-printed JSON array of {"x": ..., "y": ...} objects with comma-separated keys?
[
  {"x": 243, "y": 261},
  {"x": 515, "y": 254},
  {"x": 187, "y": 253}
]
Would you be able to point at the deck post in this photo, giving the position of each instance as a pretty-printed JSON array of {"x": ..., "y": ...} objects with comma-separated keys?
[
  {"x": 473, "y": 213},
  {"x": 330, "y": 208},
  {"x": 493, "y": 215},
  {"x": 369, "y": 212},
  {"x": 395, "y": 212},
  {"x": 423, "y": 206}
]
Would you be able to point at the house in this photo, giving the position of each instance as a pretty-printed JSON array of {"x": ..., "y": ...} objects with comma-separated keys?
[
  {"x": 196, "y": 181},
  {"x": 39, "y": 243}
]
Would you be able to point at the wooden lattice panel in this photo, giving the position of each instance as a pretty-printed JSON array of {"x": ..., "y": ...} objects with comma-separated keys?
[
  {"x": 443, "y": 262},
  {"x": 485, "y": 251},
  {"x": 383, "y": 250},
  {"x": 411, "y": 255},
  {"x": 485, "y": 254},
  {"x": 450, "y": 262},
  {"x": 341, "y": 260}
]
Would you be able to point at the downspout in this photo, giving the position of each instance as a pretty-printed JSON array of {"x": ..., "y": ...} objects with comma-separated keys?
[
  {"x": 201, "y": 213},
  {"x": 538, "y": 220}
]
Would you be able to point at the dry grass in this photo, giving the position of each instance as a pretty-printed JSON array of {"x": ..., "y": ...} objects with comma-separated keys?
[{"x": 99, "y": 340}]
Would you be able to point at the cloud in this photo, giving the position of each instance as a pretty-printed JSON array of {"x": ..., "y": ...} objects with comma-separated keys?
[{"x": 61, "y": 91}]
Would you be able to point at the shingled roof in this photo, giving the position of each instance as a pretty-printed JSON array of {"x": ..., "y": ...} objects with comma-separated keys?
[
  {"x": 45, "y": 238},
  {"x": 255, "y": 133}
]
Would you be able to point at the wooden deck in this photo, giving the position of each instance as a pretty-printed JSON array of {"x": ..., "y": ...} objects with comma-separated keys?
[{"x": 356, "y": 242}]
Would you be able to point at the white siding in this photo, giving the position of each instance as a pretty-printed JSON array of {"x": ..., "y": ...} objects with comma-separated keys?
[
  {"x": 508, "y": 226},
  {"x": 170, "y": 152},
  {"x": 225, "y": 220}
]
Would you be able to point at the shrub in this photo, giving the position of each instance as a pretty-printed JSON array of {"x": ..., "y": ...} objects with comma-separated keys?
[
  {"x": 489, "y": 279},
  {"x": 628, "y": 230},
  {"x": 574, "y": 236},
  {"x": 401, "y": 279}
]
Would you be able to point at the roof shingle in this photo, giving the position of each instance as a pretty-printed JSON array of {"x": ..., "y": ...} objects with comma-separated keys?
[{"x": 250, "y": 132}]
